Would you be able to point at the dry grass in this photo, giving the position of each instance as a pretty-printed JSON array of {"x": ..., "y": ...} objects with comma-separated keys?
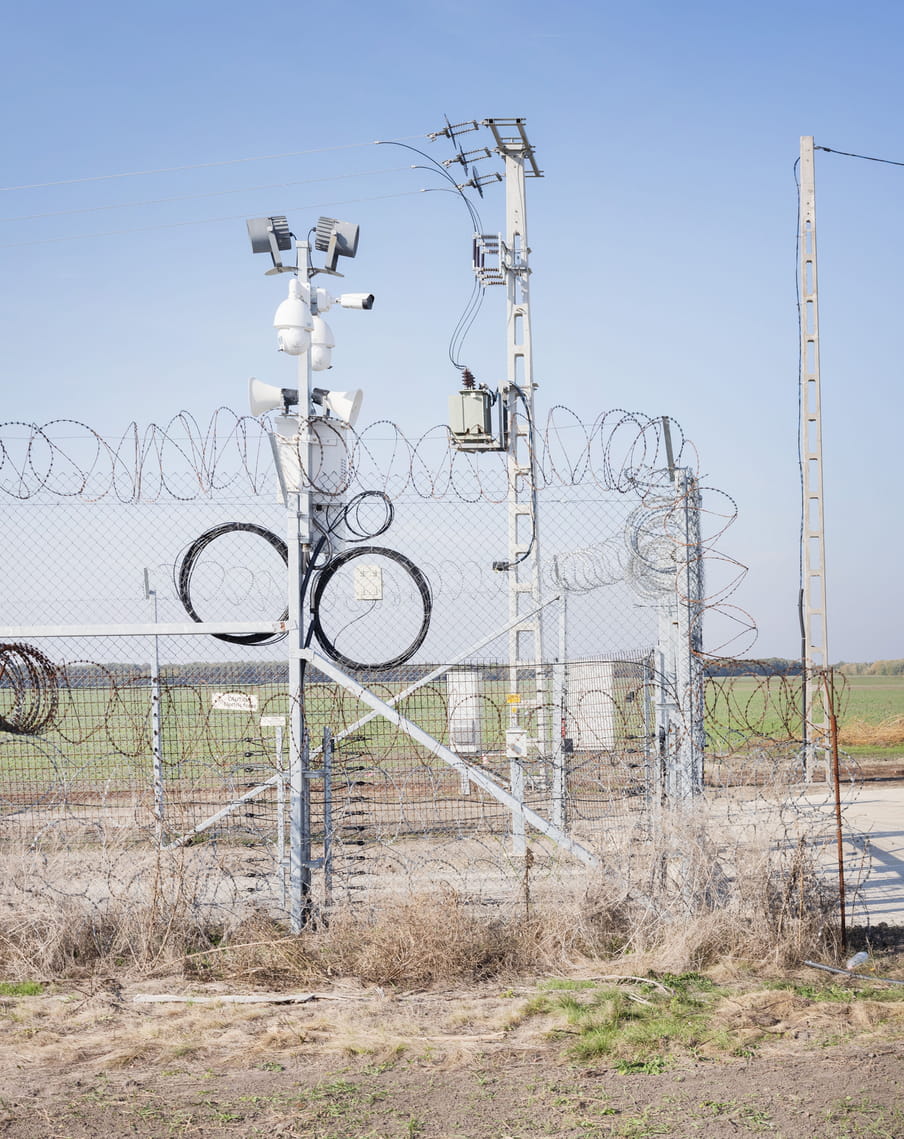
[
  {"x": 681, "y": 902},
  {"x": 687, "y": 905},
  {"x": 425, "y": 939},
  {"x": 860, "y": 733}
]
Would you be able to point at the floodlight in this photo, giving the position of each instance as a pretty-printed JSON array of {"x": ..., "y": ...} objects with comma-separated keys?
[
  {"x": 336, "y": 239},
  {"x": 344, "y": 405},
  {"x": 265, "y": 397},
  {"x": 273, "y": 236}
]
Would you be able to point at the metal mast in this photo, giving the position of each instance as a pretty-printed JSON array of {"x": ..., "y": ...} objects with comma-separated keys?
[
  {"x": 813, "y": 587},
  {"x": 523, "y": 565}
]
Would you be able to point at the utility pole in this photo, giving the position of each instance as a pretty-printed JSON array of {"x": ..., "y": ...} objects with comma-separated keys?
[
  {"x": 508, "y": 265},
  {"x": 814, "y": 637},
  {"x": 523, "y": 565}
]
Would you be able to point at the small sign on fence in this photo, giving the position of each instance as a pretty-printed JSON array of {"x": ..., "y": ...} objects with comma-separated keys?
[
  {"x": 233, "y": 702},
  {"x": 368, "y": 583}
]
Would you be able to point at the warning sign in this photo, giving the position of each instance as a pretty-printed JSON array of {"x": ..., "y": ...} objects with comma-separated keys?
[
  {"x": 513, "y": 698},
  {"x": 233, "y": 702}
]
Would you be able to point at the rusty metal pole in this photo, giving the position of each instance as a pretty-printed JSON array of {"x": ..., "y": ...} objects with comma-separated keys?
[{"x": 829, "y": 681}]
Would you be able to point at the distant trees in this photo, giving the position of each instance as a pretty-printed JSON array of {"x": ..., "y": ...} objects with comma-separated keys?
[
  {"x": 766, "y": 666},
  {"x": 872, "y": 668}
]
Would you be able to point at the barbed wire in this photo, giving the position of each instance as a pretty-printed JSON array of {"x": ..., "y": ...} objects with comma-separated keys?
[
  {"x": 183, "y": 460},
  {"x": 78, "y": 741}
]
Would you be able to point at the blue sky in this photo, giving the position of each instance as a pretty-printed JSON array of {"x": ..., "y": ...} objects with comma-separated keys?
[{"x": 663, "y": 233}]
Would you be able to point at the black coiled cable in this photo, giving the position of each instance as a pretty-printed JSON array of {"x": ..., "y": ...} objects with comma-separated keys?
[
  {"x": 356, "y": 529},
  {"x": 198, "y": 546},
  {"x": 351, "y": 517},
  {"x": 323, "y": 580}
]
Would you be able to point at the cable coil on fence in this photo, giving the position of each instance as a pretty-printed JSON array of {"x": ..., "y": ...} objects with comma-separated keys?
[
  {"x": 353, "y": 517},
  {"x": 327, "y": 574},
  {"x": 188, "y": 563}
]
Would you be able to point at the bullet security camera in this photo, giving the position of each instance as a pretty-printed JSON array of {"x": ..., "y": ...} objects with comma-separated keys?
[{"x": 356, "y": 300}]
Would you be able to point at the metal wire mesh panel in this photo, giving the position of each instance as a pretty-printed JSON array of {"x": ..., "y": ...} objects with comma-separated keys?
[{"x": 138, "y": 739}]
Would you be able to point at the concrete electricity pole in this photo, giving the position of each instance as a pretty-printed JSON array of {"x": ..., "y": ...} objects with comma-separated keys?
[{"x": 814, "y": 636}]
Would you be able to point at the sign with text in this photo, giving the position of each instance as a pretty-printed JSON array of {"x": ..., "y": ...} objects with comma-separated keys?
[{"x": 233, "y": 702}]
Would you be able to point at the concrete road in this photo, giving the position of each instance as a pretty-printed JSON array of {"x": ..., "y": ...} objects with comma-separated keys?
[{"x": 874, "y": 824}]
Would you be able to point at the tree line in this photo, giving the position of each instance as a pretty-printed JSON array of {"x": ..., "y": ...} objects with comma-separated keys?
[{"x": 872, "y": 668}]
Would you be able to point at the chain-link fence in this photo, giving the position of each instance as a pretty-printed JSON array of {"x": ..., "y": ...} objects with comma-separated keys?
[{"x": 121, "y": 738}]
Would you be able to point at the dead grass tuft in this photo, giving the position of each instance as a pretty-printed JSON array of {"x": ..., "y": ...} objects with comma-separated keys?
[
  {"x": 429, "y": 938},
  {"x": 683, "y": 901},
  {"x": 691, "y": 906},
  {"x": 888, "y": 733}
]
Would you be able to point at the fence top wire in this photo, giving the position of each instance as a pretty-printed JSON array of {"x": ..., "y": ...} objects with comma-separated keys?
[
  {"x": 619, "y": 457},
  {"x": 183, "y": 459}
]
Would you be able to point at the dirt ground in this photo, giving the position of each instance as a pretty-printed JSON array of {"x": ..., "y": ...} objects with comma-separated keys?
[{"x": 355, "y": 1062}]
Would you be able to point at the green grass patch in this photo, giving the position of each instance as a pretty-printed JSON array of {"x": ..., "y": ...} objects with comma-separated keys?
[
  {"x": 638, "y": 1024},
  {"x": 21, "y": 988},
  {"x": 739, "y": 707},
  {"x": 852, "y": 1117},
  {"x": 841, "y": 994}
]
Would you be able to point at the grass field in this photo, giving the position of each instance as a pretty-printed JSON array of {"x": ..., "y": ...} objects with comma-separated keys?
[
  {"x": 870, "y": 711},
  {"x": 105, "y": 735},
  {"x": 872, "y": 698}
]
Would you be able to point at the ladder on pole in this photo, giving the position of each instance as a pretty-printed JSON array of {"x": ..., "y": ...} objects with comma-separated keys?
[{"x": 523, "y": 565}]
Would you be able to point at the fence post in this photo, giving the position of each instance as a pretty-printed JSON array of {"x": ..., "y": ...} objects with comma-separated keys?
[
  {"x": 327, "y": 817},
  {"x": 829, "y": 686},
  {"x": 156, "y": 723},
  {"x": 299, "y": 751}
]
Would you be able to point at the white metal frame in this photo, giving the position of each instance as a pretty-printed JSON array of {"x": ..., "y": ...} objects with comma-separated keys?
[{"x": 523, "y": 566}]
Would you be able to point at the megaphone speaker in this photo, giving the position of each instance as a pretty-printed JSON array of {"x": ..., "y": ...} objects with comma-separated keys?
[
  {"x": 344, "y": 405},
  {"x": 265, "y": 397}
]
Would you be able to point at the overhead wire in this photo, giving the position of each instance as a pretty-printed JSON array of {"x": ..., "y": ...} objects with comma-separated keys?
[
  {"x": 196, "y": 221},
  {"x": 200, "y": 165},
  {"x": 475, "y": 299},
  {"x": 864, "y": 157},
  {"x": 198, "y": 197},
  {"x": 472, "y": 306}
]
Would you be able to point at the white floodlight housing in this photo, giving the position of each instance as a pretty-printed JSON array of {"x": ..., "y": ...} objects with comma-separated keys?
[
  {"x": 336, "y": 239},
  {"x": 344, "y": 405},
  {"x": 293, "y": 322},
  {"x": 322, "y": 344},
  {"x": 265, "y": 397},
  {"x": 271, "y": 235},
  {"x": 356, "y": 300}
]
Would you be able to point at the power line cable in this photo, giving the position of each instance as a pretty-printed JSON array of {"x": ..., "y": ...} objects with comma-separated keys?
[
  {"x": 198, "y": 165},
  {"x": 865, "y": 157},
  {"x": 199, "y": 197},
  {"x": 197, "y": 221},
  {"x": 475, "y": 298}
]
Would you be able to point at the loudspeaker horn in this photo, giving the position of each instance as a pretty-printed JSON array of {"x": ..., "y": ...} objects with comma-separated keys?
[
  {"x": 265, "y": 397},
  {"x": 344, "y": 405}
]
